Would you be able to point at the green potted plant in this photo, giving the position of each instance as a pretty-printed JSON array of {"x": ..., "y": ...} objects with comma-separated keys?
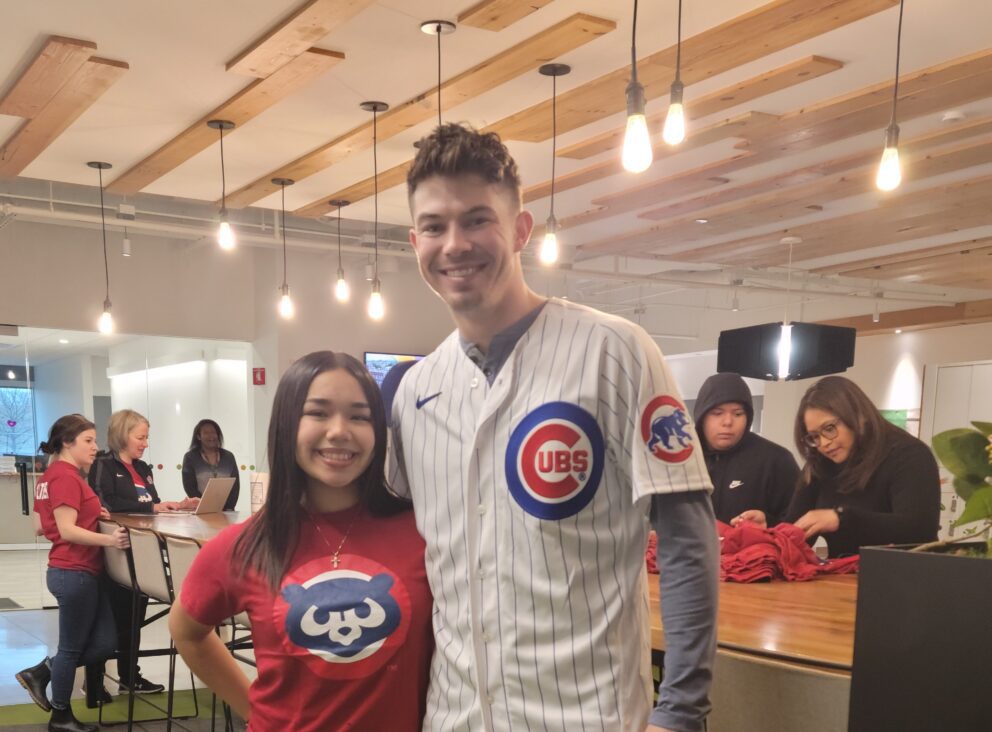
[{"x": 923, "y": 635}]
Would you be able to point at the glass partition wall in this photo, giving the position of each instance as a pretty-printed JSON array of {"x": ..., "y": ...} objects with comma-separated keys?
[{"x": 174, "y": 382}]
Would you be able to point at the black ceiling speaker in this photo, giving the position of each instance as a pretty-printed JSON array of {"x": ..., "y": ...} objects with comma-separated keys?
[{"x": 774, "y": 351}]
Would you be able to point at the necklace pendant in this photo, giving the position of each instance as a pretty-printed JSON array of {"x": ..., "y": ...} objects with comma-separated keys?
[{"x": 335, "y": 561}]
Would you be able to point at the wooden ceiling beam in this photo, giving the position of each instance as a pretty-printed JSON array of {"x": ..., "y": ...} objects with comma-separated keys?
[
  {"x": 294, "y": 35},
  {"x": 58, "y": 60},
  {"x": 241, "y": 108},
  {"x": 756, "y": 87},
  {"x": 938, "y": 316},
  {"x": 767, "y": 29},
  {"x": 85, "y": 86},
  {"x": 495, "y": 15},
  {"x": 526, "y": 56},
  {"x": 916, "y": 254}
]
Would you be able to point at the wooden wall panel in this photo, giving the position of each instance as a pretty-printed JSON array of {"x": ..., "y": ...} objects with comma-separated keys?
[
  {"x": 59, "y": 59},
  {"x": 85, "y": 86},
  {"x": 241, "y": 108},
  {"x": 294, "y": 35},
  {"x": 495, "y": 15},
  {"x": 769, "y": 28},
  {"x": 524, "y": 57}
]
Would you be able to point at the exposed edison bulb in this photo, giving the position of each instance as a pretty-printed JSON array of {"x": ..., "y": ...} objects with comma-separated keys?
[
  {"x": 377, "y": 306},
  {"x": 674, "y": 130},
  {"x": 225, "y": 233},
  {"x": 637, "y": 153},
  {"x": 341, "y": 290},
  {"x": 548, "y": 253},
  {"x": 106, "y": 322},
  {"x": 286, "y": 307},
  {"x": 889, "y": 170}
]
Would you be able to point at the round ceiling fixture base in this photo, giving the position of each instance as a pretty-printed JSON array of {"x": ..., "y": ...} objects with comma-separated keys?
[
  {"x": 437, "y": 27},
  {"x": 221, "y": 124},
  {"x": 99, "y": 165},
  {"x": 283, "y": 181},
  {"x": 338, "y": 202},
  {"x": 554, "y": 69},
  {"x": 374, "y": 106}
]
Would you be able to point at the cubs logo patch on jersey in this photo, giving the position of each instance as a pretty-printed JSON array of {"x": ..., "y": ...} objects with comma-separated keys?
[
  {"x": 343, "y": 623},
  {"x": 554, "y": 460},
  {"x": 663, "y": 429}
]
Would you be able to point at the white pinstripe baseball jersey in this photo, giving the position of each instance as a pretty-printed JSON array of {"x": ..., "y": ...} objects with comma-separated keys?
[{"x": 528, "y": 493}]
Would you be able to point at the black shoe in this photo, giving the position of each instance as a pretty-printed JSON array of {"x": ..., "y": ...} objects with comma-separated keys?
[
  {"x": 35, "y": 680},
  {"x": 63, "y": 720},
  {"x": 142, "y": 686},
  {"x": 99, "y": 696}
]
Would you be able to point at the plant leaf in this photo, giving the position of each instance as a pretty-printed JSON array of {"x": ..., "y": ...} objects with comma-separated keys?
[
  {"x": 984, "y": 427},
  {"x": 965, "y": 487},
  {"x": 978, "y": 507},
  {"x": 962, "y": 451}
]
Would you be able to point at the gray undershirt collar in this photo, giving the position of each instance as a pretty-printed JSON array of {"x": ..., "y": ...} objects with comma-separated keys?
[{"x": 501, "y": 346}]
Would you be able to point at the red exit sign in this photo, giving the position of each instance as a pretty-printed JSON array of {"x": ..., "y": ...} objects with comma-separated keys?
[{"x": 258, "y": 377}]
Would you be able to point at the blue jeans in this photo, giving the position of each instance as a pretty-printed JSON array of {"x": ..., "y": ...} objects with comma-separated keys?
[{"x": 86, "y": 627}]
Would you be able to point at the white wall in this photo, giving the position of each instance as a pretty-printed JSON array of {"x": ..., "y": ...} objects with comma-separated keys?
[{"x": 61, "y": 387}]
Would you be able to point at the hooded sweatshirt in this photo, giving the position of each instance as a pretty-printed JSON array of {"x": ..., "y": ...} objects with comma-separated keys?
[{"x": 753, "y": 474}]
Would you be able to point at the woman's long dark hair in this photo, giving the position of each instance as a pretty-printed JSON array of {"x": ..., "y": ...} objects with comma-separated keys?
[
  {"x": 267, "y": 544},
  {"x": 195, "y": 443},
  {"x": 873, "y": 435}
]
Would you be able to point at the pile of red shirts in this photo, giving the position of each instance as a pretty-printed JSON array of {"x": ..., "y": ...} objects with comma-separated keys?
[{"x": 752, "y": 554}]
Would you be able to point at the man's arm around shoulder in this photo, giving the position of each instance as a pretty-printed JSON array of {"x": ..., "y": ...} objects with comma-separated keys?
[{"x": 688, "y": 560}]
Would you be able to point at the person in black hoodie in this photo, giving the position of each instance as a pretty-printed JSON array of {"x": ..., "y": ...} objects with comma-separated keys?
[
  {"x": 753, "y": 478},
  {"x": 124, "y": 484}
]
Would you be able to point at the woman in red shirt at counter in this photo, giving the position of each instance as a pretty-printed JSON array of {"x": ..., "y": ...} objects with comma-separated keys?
[{"x": 69, "y": 511}]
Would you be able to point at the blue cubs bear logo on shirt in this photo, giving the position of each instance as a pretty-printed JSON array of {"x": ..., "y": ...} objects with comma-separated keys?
[
  {"x": 663, "y": 424},
  {"x": 669, "y": 427},
  {"x": 342, "y": 616},
  {"x": 554, "y": 460}
]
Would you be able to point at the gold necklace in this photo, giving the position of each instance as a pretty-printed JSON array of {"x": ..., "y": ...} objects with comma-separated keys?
[{"x": 335, "y": 561}]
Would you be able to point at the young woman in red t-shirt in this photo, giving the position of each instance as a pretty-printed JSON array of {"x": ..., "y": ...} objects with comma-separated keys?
[
  {"x": 330, "y": 571},
  {"x": 69, "y": 511}
]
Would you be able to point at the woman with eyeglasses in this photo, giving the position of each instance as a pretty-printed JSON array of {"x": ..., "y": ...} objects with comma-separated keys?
[{"x": 865, "y": 480}]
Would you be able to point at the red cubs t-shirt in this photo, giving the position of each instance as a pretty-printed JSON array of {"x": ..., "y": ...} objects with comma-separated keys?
[
  {"x": 338, "y": 648},
  {"x": 62, "y": 485}
]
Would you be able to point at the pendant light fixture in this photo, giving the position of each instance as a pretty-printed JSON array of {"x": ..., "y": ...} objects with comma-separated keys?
[
  {"x": 106, "y": 322},
  {"x": 377, "y": 307},
  {"x": 225, "y": 234},
  {"x": 438, "y": 28},
  {"x": 286, "y": 308},
  {"x": 126, "y": 244},
  {"x": 674, "y": 130},
  {"x": 548, "y": 254},
  {"x": 637, "y": 153},
  {"x": 889, "y": 170},
  {"x": 341, "y": 290}
]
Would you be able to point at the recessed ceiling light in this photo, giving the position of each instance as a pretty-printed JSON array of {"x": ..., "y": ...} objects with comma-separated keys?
[
  {"x": 702, "y": 221},
  {"x": 63, "y": 341},
  {"x": 11, "y": 375},
  {"x": 898, "y": 331}
]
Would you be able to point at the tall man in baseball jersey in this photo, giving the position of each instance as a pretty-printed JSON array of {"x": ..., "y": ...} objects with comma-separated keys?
[{"x": 535, "y": 442}]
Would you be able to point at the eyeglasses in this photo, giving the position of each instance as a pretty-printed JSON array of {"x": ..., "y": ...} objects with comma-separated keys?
[{"x": 827, "y": 432}]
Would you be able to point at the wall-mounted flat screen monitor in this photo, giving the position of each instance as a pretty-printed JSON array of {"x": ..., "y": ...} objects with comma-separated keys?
[{"x": 379, "y": 364}]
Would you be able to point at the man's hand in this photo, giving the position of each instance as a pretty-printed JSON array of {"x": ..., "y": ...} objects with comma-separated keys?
[
  {"x": 753, "y": 516},
  {"x": 819, "y": 521}
]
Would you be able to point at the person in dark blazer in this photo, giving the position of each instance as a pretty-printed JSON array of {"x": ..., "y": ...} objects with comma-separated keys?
[{"x": 208, "y": 459}]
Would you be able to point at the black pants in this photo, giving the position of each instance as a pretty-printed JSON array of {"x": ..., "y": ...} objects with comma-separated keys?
[{"x": 120, "y": 603}]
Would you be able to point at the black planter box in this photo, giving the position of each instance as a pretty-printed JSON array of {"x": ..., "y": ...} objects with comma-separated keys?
[{"x": 922, "y": 643}]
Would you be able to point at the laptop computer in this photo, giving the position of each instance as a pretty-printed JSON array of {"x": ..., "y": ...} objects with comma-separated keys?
[{"x": 215, "y": 494}]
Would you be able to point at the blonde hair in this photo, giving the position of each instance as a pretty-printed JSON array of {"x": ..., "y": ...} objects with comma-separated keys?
[{"x": 121, "y": 424}]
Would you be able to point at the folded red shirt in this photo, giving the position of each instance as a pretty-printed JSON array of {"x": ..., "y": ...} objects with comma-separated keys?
[{"x": 749, "y": 553}]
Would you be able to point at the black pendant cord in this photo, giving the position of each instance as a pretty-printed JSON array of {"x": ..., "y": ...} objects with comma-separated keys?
[
  {"x": 375, "y": 187},
  {"x": 678, "y": 48},
  {"x": 895, "y": 90},
  {"x": 223, "y": 174},
  {"x": 554, "y": 138},
  {"x": 633, "y": 47},
  {"x": 339, "y": 240},
  {"x": 103, "y": 228},
  {"x": 438, "y": 74},
  {"x": 284, "y": 284}
]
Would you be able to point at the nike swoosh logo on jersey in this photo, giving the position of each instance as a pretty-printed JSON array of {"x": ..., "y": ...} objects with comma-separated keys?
[
  {"x": 736, "y": 484},
  {"x": 422, "y": 402}
]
